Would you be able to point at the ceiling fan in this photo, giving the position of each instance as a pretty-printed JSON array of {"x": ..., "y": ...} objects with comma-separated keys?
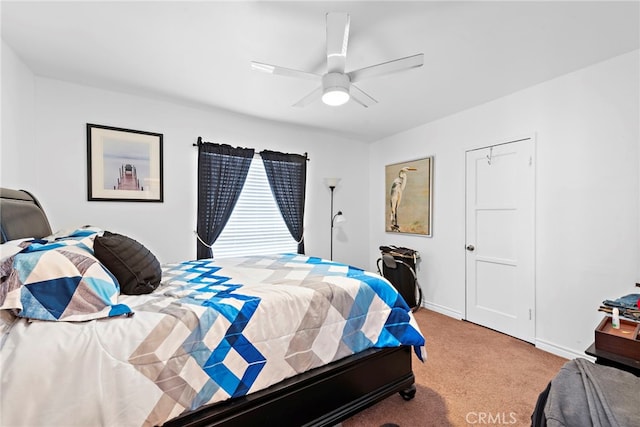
[{"x": 336, "y": 86}]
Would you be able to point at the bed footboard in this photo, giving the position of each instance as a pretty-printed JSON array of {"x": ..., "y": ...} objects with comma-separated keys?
[{"x": 321, "y": 397}]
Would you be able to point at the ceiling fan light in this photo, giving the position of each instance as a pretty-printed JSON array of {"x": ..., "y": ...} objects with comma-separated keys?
[
  {"x": 335, "y": 89},
  {"x": 335, "y": 96}
]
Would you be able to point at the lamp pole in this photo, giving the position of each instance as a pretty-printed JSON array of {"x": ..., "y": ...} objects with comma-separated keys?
[
  {"x": 332, "y": 187},
  {"x": 332, "y": 183}
]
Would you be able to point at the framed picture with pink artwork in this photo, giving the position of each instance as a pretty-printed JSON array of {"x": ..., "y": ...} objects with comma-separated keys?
[{"x": 123, "y": 165}]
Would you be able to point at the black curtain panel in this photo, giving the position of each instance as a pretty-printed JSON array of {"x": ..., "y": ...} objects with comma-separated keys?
[
  {"x": 222, "y": 171},
  {"x": 287, "y": 174}
]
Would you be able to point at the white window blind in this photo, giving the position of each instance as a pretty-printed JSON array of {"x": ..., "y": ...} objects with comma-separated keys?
[{"x": 256, "y": 226}]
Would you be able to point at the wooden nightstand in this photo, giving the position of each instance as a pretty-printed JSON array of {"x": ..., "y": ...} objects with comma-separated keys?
[{"x": 614, "y": 360}]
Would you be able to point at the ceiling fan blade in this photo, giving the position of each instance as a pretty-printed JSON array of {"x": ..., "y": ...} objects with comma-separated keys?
[
  {"x": 308, "y": 99},
  {"x": 274, "y": 69},
  {"x": 337, "y": 40},
  {"x": 361, "y": 97},
  {"x": 387, "y": 67}
]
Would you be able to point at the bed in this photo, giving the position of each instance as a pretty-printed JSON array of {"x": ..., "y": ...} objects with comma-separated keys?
[{"x": 216, "y": 342}]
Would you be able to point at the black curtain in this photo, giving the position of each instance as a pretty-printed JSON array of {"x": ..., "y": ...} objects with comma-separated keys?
[
  {"x": 222, "y": 170},
  {"x": 287, "y": 174}
]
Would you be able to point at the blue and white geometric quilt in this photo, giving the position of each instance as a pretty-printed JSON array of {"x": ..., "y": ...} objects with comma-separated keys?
[
  {"x": 212, "y": 330},
  {"x": 330, "y": 311}
]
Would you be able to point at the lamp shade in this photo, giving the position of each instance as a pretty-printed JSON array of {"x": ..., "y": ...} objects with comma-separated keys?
[
  {"x": 339, "y": 219},
  {"x": 332, "y": 182}
]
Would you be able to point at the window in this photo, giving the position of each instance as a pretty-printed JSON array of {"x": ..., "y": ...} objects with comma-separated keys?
[{"x": 256, "y": 226}]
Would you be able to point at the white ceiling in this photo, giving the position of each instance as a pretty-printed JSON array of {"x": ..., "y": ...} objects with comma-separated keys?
[{"x": 200, "y": 52}]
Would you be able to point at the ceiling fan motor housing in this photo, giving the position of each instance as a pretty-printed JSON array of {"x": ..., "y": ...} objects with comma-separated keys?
[{"x": 335, "y": 81}]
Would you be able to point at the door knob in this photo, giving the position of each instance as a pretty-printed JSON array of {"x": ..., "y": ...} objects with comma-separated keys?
[{"x": 470, "y": 248}]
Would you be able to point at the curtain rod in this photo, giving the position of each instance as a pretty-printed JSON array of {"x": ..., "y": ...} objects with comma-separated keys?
[{"x": 200, "y": 142}]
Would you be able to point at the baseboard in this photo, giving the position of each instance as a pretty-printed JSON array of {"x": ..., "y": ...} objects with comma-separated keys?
[
  {"x": 547, "y": 346},
  {"x": 442, "y": 310},
  {"x": 558, "y": 350}
]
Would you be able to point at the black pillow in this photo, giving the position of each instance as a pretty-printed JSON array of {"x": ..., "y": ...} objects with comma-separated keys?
[{"x": 136, "y": 268}]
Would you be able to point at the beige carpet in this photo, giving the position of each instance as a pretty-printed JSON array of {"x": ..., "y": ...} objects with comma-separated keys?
[{"x": 472, "y": 376}]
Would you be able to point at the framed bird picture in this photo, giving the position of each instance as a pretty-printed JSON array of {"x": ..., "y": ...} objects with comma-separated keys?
[{"x": 409, "y": 197}]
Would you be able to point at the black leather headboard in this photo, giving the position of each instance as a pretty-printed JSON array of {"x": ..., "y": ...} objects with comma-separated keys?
[{"x": 21, "y": 216}]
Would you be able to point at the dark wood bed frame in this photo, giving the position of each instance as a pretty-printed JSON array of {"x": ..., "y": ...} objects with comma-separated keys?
[
  {"x": 324, "y": 396},
  {"x": 321, "y": 397}
]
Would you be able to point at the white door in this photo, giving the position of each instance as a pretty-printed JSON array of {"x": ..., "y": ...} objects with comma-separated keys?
[{"x": 500, "y": 238}]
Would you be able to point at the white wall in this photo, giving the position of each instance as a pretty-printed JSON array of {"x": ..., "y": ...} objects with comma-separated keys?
[
  {"x": 18, "y": 108},
  {"x": 586, "y": 126},
  {"x": 44, "y": 151}
]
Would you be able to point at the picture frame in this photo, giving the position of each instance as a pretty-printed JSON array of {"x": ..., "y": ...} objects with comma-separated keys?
[
  {"x": 124, "y": 165},
  {"x": 409, "y": 197}
]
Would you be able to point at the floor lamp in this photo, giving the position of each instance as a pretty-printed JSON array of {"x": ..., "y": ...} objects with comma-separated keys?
[{"x": 338, "y": 218}]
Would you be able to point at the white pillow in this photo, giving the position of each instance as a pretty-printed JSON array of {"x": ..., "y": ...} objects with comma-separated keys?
[
  {"x": 12, "y": 247},
  {"x": 66, "y": 232}
]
